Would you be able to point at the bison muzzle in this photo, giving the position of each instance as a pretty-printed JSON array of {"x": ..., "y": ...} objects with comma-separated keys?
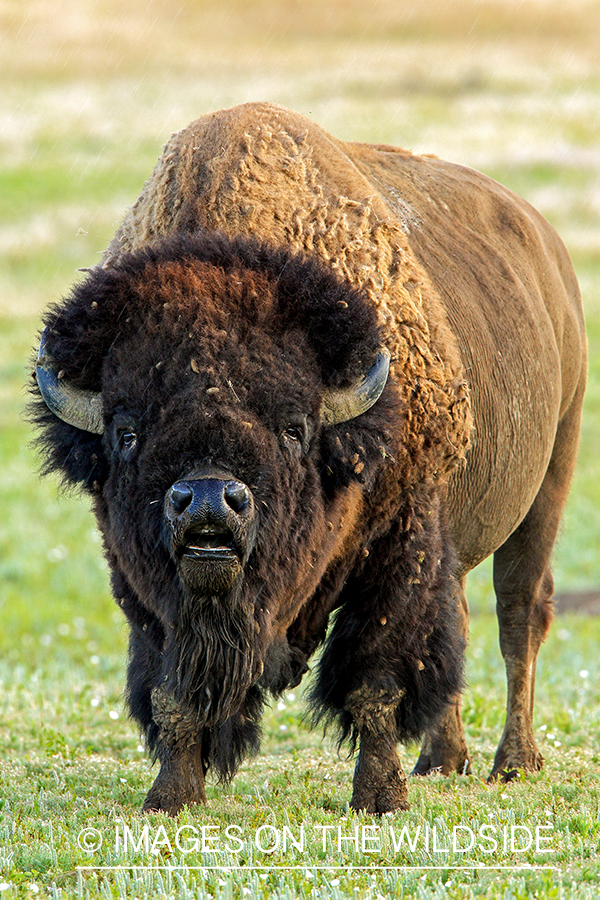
[
  {"x": 210, "y": 518},
  {"x": 311, "y": 386}
]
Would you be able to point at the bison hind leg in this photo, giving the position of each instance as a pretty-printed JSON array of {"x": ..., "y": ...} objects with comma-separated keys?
[
  {"x": 444, "y": 748},
  {"x": 524, "y": 585}
]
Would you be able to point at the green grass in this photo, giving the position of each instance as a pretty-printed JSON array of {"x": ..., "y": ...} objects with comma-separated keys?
[
  {"x": 93, "y": 92},
  {"x": 73, "y": 763}
]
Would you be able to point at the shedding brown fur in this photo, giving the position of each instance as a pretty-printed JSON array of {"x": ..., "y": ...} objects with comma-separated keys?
[
  {"x": 470, "y": 450},
  {"x": 459, "y": 270}
]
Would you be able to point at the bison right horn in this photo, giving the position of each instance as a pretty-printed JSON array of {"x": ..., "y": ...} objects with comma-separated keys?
[
  {"x": 344, "y": 404},
  {"x": 77, "y": 407}
]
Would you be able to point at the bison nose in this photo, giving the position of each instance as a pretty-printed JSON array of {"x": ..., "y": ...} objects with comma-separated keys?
[
  {"x": 237, "y": 496},
  {"x": 211, "y": 497},
  {"x": 180, "y": 497}
]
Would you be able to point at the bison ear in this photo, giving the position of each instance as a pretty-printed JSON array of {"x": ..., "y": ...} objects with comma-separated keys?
[
  {"x": 77, "y": 407},
  {"x": 343, "y": 404}
]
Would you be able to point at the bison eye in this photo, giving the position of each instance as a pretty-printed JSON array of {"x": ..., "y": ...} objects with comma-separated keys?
[
  {"x": 127, "y": 441},
  {"x": 294, "y": 433},
  {"x": 294, "y": 436},
  {"x": 123, "y": 435}
]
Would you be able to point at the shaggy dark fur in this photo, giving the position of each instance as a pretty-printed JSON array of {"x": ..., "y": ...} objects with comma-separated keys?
[
  {"x": 395, "y": 621},
  {"x": 205, "y": 348}
]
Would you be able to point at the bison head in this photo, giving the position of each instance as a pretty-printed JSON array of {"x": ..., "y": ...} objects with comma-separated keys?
[{"x": 216, "y": 398}]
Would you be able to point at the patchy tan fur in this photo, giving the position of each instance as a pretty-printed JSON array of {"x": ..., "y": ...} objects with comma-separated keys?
[{"x": 264, "y": 171}]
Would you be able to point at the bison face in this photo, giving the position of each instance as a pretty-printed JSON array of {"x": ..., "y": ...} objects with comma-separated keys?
[
  {"x": 194, "y": 389},
  {"x": 213, "y": 466}
]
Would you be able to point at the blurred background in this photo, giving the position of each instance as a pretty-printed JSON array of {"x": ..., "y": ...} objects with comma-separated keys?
[{"x": 91, "y": 91}]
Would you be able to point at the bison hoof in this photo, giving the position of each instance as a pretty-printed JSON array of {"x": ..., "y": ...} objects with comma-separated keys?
[
  {"x": 505, "y": 770},
  {"x": 378, "y": 800},
  {"x": 443, "y": 760},
  {"x": 176, "y": 786},
  {"x": 169, "y": 804},
  {"x": 507, "y": 766},
  {"x": 504, "y": 776}
]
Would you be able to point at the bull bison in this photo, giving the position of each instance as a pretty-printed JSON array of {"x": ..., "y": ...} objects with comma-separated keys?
[{"x": 310, "y": 378}]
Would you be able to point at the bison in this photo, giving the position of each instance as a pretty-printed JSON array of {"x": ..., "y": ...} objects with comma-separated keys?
[{"x": 310, "y": 386}]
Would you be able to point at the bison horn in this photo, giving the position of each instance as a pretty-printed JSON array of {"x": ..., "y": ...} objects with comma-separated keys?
[
  {"x": 83, "y": 409},
  {"x": 344, "y": 404}
]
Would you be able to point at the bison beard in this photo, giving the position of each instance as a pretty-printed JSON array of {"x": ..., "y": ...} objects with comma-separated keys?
[{"x": 210, "y": 658}]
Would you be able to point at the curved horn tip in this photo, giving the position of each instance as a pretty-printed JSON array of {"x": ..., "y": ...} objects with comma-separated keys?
[
  {"x": 345, "y": 404},
  {"x": 82, "y": 409}
]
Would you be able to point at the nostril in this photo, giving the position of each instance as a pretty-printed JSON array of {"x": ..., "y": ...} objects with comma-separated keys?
[
  {"x": 237, "y": 496},
  {"x": 180, "y": 497}
]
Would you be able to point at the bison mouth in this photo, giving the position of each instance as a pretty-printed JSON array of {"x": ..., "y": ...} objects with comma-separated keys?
[
  {"x": 209, "y": 542},
  {"x": 209, "y": 559}
]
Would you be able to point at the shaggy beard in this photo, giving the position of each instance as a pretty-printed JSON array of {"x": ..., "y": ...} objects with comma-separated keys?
[{"x": 214, "y": 641}]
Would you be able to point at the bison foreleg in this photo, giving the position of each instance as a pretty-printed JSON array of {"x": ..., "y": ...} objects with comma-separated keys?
[
  {"x": 379, "y": 784},
  {"x": 393, "y": 659},
  {"x": 180, "y": 781}
]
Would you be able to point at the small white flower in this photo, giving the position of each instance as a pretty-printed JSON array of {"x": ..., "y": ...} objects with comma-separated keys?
[
  {"x": 281, "y": 706},
  {"x": 584, "y": 673},
  {"x": 94, "y": 660},
  {"x": 113, "y": 714},
  {"x": 557, "y": 744},
  {"x": 335, "y": 882},
  {"x": 283, "y": 727},
  {"x": 95, "y": 701},
  {"x": 56, "y": 554}
]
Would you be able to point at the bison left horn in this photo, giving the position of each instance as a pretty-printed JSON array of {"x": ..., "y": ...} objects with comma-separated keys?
[
  {"x": 344, "y": 404},
  {"x": 77, "y": 407}
]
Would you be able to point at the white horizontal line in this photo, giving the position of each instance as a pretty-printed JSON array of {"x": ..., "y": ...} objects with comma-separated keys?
[{"x": 524, "y": 867}]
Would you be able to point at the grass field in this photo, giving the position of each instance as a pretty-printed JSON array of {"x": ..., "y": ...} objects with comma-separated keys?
[{"x": 91, "y": 90}]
